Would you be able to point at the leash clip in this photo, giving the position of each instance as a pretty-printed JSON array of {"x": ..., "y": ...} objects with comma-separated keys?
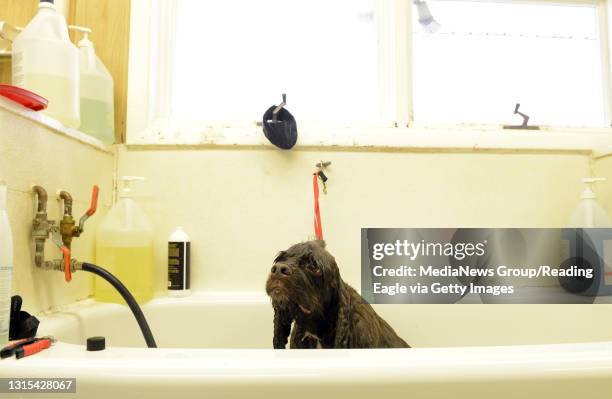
[{"x": 320, "y": 166}]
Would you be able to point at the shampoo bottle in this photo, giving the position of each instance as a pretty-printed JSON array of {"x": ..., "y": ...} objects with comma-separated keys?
[
  {"x": 46, "y": 62},
  {"x": 589, "y": 213},
  {"x": 6, "y": 268},
  {"x": 124, "y": 246},
  {"x": 96, "y": 92},
  {"x": 179, "y": 259}
]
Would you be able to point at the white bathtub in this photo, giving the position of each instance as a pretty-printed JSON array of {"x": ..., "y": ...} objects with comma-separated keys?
[{"x": 217, "y": 345}]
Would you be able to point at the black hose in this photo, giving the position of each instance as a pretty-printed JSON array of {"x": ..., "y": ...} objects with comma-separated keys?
[{"x": 129, "y": 299}]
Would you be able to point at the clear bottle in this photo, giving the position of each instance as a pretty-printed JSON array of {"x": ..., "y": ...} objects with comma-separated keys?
[
  {"x": 46, "y": 62},
  {"x": 124, "y": 246},
  {"x": 589, "y": 213},
  {"x": 96, "y": 92},
  {"x": 6, "y": 267}
]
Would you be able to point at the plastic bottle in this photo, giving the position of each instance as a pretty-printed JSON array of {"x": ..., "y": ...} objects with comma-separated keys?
[
  {"x": 124, "y": 246},
  {"x": 96, "y": 92},
  {"x": 6, "y": 267},
  {"x": 46, "y": 62},
  {"x": 179, "y": 263},
  {"x": 589, "y": 213}
]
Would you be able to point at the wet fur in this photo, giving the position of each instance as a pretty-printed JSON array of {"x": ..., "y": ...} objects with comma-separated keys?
[{"x": 325, "y": 310}]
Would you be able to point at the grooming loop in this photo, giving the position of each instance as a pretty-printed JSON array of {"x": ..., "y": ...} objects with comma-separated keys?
[{"x": 319, "y": 174}]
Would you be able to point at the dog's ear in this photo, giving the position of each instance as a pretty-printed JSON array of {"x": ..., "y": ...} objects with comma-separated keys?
[
  {"x": 344, "y": 333},
  {"x": 282, "y": 327}
]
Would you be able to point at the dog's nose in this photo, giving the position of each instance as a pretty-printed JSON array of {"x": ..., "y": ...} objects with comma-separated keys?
[{"x": 281, "y": 269}]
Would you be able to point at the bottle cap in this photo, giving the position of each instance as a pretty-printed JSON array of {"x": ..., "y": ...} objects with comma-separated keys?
[
  {"x": 46, "y": 4},
  {"x": 96, "y": 344},
  {"x": 179, "y": 235},
  {"x": 126, "y": 191},
  {"x": 84, "y": 42},
  {"x": 588, "y": 192}
]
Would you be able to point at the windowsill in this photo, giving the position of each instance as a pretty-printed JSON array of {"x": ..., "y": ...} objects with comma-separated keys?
[
  {"x": 458, "y": 138},
  {"x": 53, "y": 124}
]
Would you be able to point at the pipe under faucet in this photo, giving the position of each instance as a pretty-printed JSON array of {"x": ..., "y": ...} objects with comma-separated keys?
[
  {"x": 41, "y": 193},
  {"x": 40, "y": 227},
  {"x": 67, "y": 198}
]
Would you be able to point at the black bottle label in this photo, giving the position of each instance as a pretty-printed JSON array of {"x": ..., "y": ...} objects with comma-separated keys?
[{"x": 178, "y": 265}]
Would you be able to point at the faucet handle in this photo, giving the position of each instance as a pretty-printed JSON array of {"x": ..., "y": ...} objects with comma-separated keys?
[
  {"x": 92, "y": 208},
  {"x": 94, "y": 201},
  {"x": 67, "y": 259},
  {"x": 66, "y": 254}
]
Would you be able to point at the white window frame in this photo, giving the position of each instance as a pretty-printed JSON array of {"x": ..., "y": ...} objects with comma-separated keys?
[{"x": 150, "y": 89}]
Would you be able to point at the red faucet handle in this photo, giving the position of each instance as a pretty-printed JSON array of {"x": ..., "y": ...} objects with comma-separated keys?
[
  {"x": 94, "y": 201},
  {"x": 66, "y": 257}
]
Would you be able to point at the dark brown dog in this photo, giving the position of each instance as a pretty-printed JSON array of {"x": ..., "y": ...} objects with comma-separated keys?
[{"x": 306, "y": 288}]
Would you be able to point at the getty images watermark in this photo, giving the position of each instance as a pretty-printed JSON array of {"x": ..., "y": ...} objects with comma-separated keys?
[
  {"x": 486, "y": 265},
  {"x": 37, "y": 385}
]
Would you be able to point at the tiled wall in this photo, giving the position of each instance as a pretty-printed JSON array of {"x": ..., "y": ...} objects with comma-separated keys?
[
  {"x": 242, "y": 206},
  {"x": 30, "y": 154}
]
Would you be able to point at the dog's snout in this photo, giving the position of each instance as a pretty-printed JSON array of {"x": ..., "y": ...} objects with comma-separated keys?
[{"x": 281, "y": 269}]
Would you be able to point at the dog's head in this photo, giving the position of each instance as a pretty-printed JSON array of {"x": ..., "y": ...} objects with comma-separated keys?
[{"x": 304, "y": 277}]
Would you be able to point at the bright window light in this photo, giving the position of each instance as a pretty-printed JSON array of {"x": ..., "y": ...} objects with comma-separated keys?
[
  {"x": 487, "y": 57},
  {"x": 234, "y": 59}
]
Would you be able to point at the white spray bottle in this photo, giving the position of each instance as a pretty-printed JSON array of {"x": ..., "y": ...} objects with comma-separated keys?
[{"x": 6, "y": 267}]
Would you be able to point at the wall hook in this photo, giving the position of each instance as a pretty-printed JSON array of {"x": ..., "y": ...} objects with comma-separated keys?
[
  {"x": 525, "y": 124},
  {"x": 279, "y": 107},
  {"x": 320, "y": 166}
]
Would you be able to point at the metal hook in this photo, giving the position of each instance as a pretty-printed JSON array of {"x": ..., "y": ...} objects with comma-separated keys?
[
  {"x": 279, "y": 107},
  {"x": 320, "y": 166},
  {"x": 525, "y": 120}
]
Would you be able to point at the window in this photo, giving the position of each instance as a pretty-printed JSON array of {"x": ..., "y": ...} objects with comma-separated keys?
[
  {"x": 218, "y": 65},
  {"x": 234, "y": 59},
  {"x": 487, "y": 57}
]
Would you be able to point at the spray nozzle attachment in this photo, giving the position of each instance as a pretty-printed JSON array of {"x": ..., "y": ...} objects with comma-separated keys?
[
  {"x": 126, "y": 190},
  {"x": 84, "y": 42},
  {"x": 588, "y": 192}
]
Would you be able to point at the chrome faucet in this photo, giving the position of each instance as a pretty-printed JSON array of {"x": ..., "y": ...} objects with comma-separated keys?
[{"x": 61, "y": 234}]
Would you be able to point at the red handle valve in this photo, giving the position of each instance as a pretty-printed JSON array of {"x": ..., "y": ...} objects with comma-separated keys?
[
  {"x": 94, "y": 201},
  {"x": 67, "y": 258}
]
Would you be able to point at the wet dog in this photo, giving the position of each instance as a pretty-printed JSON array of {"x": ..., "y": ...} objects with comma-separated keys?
[{"x": 306, "y": 290}]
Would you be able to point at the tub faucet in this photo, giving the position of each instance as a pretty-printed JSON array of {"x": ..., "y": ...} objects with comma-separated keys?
[
  {"x": 61, "y": 234},
  {"x": 68, "y": 227}
]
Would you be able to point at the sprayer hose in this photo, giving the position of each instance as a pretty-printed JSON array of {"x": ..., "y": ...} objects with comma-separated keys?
[{"x": 129, "y": 299}]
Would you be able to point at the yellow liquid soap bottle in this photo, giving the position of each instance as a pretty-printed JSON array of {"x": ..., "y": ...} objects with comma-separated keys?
[{"x": 124, "y": 247}]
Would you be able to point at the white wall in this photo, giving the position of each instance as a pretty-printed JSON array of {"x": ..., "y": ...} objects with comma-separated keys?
[
  {"x": 242, "y": 206},
  {"x": 30, "y": 154},
  {"x": 603, "y": 168}
]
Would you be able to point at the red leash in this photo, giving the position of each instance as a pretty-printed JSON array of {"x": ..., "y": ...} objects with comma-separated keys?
[{"x": 317, "y": 212}]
